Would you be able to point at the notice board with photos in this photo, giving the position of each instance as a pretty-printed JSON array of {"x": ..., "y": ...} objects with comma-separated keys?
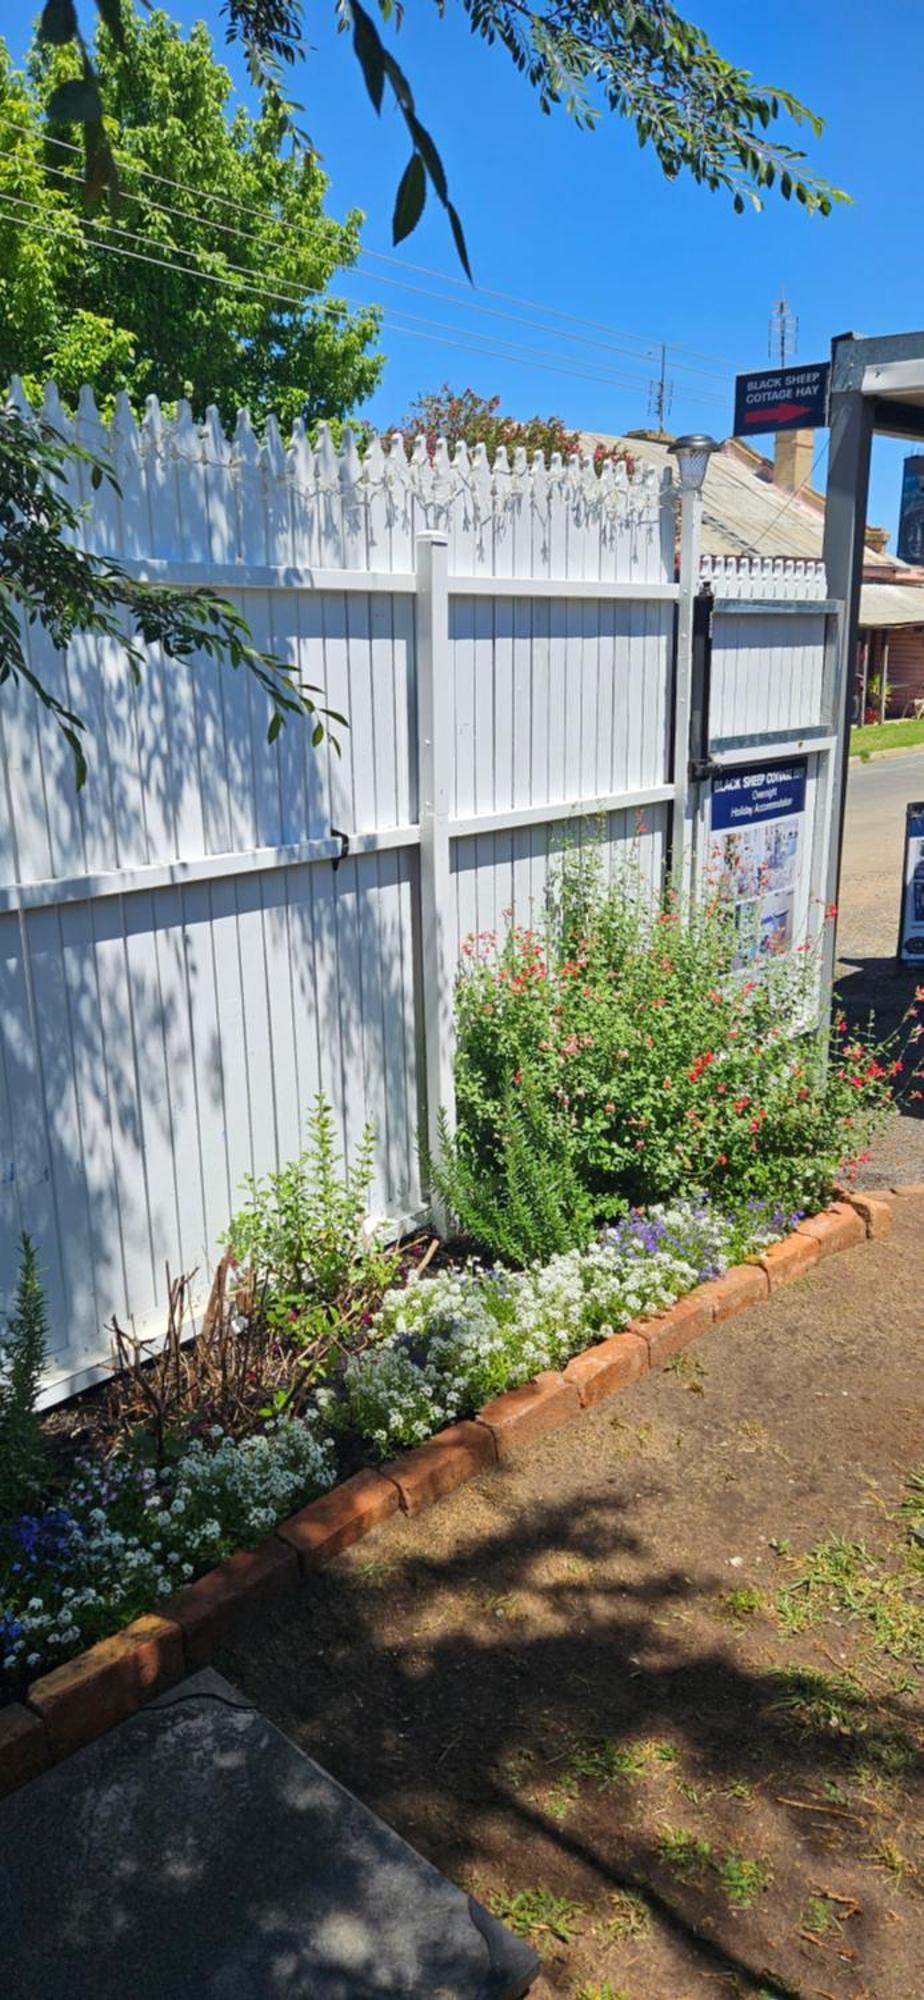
[{"x": 759, "y": 850}]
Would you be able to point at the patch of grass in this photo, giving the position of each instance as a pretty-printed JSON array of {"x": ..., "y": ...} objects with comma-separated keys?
[
  {"x": 741, "y": 1789},
  {"x": 375, "y": 1573},
  {"x": 843, "y": 1578},
  {"x": 817, "y": 1703},
  {"x": 689, "y": 1370},
  {"x": 818, "y": 1916},
  {"x": 686, "y": 1854},
  {"x": 868, "y": 736},
  {"x": 631, "y": 1916},
  {"x": 886, "y": 1756},
  {"x": 663, "y": 1751},
  {"x": 534, "y": 1912},
  {"x": 741, "y": 1603},
  {"x": 890, "y": 1856},
  {"x": 604, "y": 1992},
  {"x": 742, "y": 1880}
]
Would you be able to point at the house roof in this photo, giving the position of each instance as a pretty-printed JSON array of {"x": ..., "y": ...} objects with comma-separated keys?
[{"x": 744, "y": 514}]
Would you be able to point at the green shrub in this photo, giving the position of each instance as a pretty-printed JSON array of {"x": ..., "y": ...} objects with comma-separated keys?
[
  {"x": 23, "y": 1353},
  {"x": 303, "y": 1236},
  {"x": 625, "y": 1055}
]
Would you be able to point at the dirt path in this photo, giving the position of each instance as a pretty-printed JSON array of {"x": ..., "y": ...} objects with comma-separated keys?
[{"x": 611, "y": 1691}]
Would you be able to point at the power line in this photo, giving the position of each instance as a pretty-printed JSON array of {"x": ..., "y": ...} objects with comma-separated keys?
[
  {"x": 72, "y": 179},
  {"x": 539, "y": 358},
  {"x": 241, "y": 281},
  {"x": 650, "y": 342},
  {"x": 768, "y": 530}
]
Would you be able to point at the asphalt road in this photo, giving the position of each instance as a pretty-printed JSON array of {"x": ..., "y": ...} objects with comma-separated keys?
[{"x": 868, "y": 926}]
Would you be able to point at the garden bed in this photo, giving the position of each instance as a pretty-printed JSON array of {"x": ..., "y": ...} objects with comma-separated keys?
[
  {"x": 620, "y": 1695},
  {"x": 642, "y": 1115},
  {"x": 77, "y": 1701}
]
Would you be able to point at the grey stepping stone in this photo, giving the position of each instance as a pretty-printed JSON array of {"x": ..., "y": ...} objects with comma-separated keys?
[{"x": 195, "y": 1851}]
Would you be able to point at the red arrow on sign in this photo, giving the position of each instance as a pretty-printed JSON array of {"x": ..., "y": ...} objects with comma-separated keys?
[{"x": 777, "y": 410}]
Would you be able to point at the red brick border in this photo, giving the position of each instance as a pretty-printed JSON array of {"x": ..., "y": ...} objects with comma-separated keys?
[{"x": 86, "y": 1696}]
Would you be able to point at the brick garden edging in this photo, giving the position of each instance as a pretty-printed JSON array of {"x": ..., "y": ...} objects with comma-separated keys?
[{"x": 83, "y": 1698}]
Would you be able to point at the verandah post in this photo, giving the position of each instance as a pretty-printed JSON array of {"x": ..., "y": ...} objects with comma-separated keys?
[{"x": 435, "y": 769}]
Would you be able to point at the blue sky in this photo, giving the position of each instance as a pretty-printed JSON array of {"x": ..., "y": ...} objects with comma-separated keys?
[{"x": 586, "y": 224}]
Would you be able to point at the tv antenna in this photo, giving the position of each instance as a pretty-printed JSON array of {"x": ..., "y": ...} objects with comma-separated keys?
[
  {"x": 784, "y": 332},
  {"x": 660, "y": 396}
]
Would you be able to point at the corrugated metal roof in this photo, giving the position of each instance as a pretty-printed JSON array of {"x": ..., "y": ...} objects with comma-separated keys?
[
  {"x": 744, "y": 514},
  {"x": 891, "y": 604}
]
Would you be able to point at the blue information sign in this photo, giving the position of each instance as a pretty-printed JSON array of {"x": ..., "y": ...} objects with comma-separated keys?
[{"x": 757, "y": 822}]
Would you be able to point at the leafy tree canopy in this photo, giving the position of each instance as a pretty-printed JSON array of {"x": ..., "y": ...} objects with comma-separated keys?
[
  {"x": 638, "y": 58},
  {"x": 462, "y": 416},
  {"x": 241, "y": 315}
]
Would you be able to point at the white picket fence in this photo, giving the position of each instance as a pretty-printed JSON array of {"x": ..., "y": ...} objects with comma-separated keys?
[{"x": 215, "y": 929}]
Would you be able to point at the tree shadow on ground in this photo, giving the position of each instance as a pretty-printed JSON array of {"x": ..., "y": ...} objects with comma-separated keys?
[{"x": 448, "y": 1699}]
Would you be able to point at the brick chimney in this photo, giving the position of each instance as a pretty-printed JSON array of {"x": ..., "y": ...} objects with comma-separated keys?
[
  {"x": 877, "y": 539},
  {"x": 793, "y": 452}
]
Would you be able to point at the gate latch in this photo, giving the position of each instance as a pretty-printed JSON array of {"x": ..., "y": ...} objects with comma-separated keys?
[{"x": 344, "y": 840}]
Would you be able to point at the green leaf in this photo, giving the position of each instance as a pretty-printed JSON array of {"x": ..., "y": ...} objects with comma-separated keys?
[
  {"x": 410, "y": 198},
  {"x": 275, "y": 726},
  {"x": 111, "y": 13},
  {"x": 458, "y": 238},
  {"x": 370, "y": 53},
  {"x": 76, "y": 102},
  {"x": 58, "y": 23}
]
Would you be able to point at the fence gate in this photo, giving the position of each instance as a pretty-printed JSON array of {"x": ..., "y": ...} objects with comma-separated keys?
[{"x": 763, "y": 732}]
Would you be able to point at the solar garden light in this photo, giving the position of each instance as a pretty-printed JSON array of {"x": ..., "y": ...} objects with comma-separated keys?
[{"x": 692, "y": 454}]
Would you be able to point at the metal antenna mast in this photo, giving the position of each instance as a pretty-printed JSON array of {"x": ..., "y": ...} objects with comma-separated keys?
[
  {"x": 784, "y": 332},
  {"x": 660, "y": 395}
]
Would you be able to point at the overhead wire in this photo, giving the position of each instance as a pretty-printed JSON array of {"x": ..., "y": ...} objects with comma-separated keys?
[
  {"x": 647, "y": 343},
  {"x": 241, "y": 282}
]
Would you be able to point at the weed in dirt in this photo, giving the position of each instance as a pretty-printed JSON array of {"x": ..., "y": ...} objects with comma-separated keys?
[
  {"x": 694, "y": 1793},
  {"x": 818, "y": 1916},
  {"x": 740, "y": 1789},
  {"x": 534, "y": 1912},
  {"x": 374, "y": 1573},
  {"x": 817, "y": 1703},
  {"x": 689, "y": 1370},
  {"x": 604, "y": 1992},
  {"x": 607, "y": 1763},
  {"x": 889, "y": 1855},
  {"x": 631, "y": 1916},
  {"x": 885, "y": 1757},
  {"x": 662, "y": 1751},
  {"x": 741, "y": 1603},
  {"x": 742, "y": 1880},
  {"x": 500, "y": 1604},
  {"x": 684, "y": 1853},
  {"x": 844, "y": 1578}
]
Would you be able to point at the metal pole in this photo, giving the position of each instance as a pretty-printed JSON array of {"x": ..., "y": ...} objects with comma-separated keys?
[
  {"x": 851, "y": 420},
  {"x": 685, "y": 796}
]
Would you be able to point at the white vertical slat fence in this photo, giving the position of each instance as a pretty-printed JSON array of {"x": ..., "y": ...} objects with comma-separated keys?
[{"x": 215, "y": 929}]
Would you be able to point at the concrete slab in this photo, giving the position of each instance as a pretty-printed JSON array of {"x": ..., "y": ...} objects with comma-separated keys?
[{"x": 196, "y": 1851}]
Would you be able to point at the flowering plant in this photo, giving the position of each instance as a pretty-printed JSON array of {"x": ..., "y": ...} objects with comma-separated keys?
[
  {"x": 628, "y": 1050},
  {"x": 448, "y": 1343},
  {"x": 122, "y": 1539}
]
